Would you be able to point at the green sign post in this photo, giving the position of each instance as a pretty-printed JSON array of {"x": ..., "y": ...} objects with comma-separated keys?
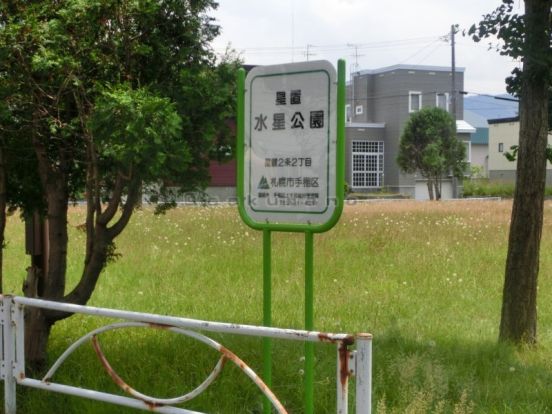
[{"x": 290, "y": 150}]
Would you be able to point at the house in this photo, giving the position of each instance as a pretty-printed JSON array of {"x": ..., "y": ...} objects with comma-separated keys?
[
  {"x": 479, "y": 148},
  {"x": 223, "y": 180},
  {"x": 478, "y": 110},
  {"x": 503, "y": 134},
  {"x": 379, "y": 103}
]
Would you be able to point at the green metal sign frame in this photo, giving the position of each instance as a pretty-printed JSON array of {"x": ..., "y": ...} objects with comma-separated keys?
[
  {"x": 308, "y": 228},
  {"x": 339, "y": 162}
]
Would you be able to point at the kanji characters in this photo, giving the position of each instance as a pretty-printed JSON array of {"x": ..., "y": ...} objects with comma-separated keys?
[
  {"x": 295, "y": 98},
  {"x": 317, "y": 119},
  {"x": 278, "y": 121},
  {"x": 261, "y": 122},
  {"x": 297, "y": 120},
  {"x": 280, "y": 98}
]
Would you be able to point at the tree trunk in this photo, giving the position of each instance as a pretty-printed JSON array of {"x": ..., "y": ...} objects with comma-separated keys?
[
  {"x": 430, "y": 189},
  {"x": 519, "y": 304},
  {"x": 37, "y": 333},
  {"x": 437, "y": 183},
  {"x": 58, "y": 200},
  {"x": 99, "y": 238},
  {"x": 38, "y": 324}
]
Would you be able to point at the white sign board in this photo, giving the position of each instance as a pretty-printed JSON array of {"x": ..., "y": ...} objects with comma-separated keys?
[{"x": 290, "y": 143}]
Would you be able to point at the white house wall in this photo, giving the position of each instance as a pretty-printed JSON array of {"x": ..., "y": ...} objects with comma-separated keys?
[
  {"x": 479, "y": 156},
  {"x": 507, "y": 134}
]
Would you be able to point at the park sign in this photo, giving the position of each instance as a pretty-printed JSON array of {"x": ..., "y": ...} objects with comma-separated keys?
[{"x": 290, "y": 147}]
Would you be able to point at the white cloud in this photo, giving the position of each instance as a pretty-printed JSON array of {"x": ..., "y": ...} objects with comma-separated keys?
[{"x": 267, "y": 30}]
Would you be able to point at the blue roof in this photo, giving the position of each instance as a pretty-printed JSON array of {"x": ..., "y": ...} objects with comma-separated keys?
[
  {"x": 481, "y": 134},
  {"x": 489, "y": 107}
]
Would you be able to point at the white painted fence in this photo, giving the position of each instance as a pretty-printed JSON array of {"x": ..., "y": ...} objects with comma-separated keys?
[{"x": 357, "y": 363}]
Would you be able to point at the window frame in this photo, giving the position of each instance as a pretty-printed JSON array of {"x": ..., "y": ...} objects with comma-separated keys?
[
  {"x": 412, "y": 94},
  {"x": 369, "y": 156},
  {"x": 446, "y": 95},
  {"x": 468, "y": 151}
]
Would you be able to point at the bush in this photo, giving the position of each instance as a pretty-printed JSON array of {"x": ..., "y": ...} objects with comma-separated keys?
[{"x": 483, "y": 187}]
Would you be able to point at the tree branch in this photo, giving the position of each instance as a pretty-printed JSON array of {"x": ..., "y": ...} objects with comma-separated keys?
[
  {"x": 128, "y": 208},
  {"x": 114, "y": 202}
]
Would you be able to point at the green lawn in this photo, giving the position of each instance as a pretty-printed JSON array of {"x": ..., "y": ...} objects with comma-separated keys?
[{"x": 424, "y": 278}]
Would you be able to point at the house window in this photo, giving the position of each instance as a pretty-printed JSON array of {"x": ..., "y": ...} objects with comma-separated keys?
[
  {"x": 367, "y": 165},
  {"x": 500, "y": 147},
  {"x": 442, "y": 101},
  {"x": 348, "y": 115},
  {"x": 467, "y": 144},
  {"x": 358, "y": 110},
  {"x": 414, "y": 101}
]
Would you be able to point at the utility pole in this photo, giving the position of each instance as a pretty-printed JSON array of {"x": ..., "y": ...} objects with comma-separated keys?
[
  {"x": 356, "y": 56},
  {"x": 453, "y": 68},
  {"x": 354, "y": 68},
  {"x": 453, "y": 96},
  {"x": 309, "y": 53}
]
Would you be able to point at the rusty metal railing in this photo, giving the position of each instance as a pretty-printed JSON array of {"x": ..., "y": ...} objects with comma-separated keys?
[{"x": 350, "y": 362}]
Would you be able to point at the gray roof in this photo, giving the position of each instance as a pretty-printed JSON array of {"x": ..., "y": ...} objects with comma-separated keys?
[{"x": 409, "y": 67}]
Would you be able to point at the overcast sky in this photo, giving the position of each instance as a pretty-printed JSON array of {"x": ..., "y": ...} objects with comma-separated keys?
[{"x": 386, "y": 33}]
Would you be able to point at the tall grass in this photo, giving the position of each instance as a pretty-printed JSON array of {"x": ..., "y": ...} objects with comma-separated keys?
[{"x": 424, "y": 278}]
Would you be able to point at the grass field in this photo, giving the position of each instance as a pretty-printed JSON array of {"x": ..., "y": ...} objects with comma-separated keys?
[{"x": 424, "y": 278}]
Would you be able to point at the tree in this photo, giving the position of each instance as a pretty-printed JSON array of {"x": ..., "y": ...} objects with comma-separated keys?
[
  {"x": 525, "y": 37},
  {"x": 17, "y": 188},
  {"x": 119, "y": 98},
  {"x": 430, "y": 147}
]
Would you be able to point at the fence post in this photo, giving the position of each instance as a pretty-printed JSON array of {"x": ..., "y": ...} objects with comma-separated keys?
[
  {"x": 363, "y": 372},
  {"x": 9, "y": 355},
  {"x": 343, "y": 371}
]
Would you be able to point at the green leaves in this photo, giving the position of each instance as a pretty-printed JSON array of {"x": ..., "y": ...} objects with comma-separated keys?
[
  {"x": 507, "y": 34},
  {"x": 429, "y": 145},
  {"x": 163, "y": 115},
  {"x": 512, "y": 156},
  {"x": 138, "y": 133}
]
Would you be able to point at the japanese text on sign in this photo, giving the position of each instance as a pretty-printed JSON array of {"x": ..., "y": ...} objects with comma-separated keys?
[{"x": 290, "y": 156}]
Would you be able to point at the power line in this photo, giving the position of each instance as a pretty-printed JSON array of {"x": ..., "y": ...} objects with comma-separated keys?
[
  {"x": 437, "y": 46},
  {"x": 341, "y": 46},
  {"x": 421, "y": 50},
  {"x": 308, "y": 53},
  {"x": 356, "y": 56}
]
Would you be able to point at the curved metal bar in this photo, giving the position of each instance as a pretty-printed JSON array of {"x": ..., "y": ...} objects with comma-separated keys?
[
  {"x": 84, "y": 339},
  {"x": 255, "y": 378},
  {"x": 152, "y": 400},
  {"x": 226, "y": 354},
  {"x": 125, "y": 387},
  {"x": 240, "y": 364}
]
